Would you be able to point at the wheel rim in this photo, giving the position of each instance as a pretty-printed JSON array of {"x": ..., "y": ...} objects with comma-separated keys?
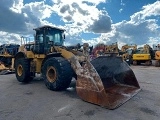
[
  {"x": 51, "y": 74},
  {"x": 20, "y": 70}
]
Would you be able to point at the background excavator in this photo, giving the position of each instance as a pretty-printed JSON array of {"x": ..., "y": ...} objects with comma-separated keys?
[
  {"x": 143, "y": 55},
  {"x": 7, "y": 52},
  {"x": 106, "y": 80}
]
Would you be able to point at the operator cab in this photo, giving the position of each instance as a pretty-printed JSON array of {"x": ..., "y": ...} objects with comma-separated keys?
[{"x": 46, "y": 37}]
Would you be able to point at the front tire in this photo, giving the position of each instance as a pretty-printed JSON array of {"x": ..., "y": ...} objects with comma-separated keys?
[
  {"x": 22, "y": 70},
  {"x": 57, "y": 73}
]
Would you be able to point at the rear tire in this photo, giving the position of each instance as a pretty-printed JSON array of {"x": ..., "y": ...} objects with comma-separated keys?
[
  {"x": 22, "y": 70},
  {"x": 57, "y": 73}
]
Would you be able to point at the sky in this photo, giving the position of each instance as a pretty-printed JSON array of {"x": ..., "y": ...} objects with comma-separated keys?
[{"x": 85, "y": 21}]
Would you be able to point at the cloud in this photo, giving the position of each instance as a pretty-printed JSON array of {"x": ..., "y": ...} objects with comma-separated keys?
[
  {"x": 7, "y": 38},
  {"x": 137, "y": 33},
  {"x": 102, "y": 25},
  {"x": 68, "y": 18},
  {"x": 80, "y": 10},
  {"x": 79, "y": 24},
  {"x": 20, "y": 19},
  {"x": 88, "y": 2},
  {"x": 147, "y": 11},
  {"x": 122, "y": 3},
  {"x": 65, "y": 8},
  {"x": 142, "y": 28},
  {"x": 126, "y": 32},
  {"x": 151, "y": 10},
  {"x": 120, "y": 10},
  {"x": 10, "y": 20},
  {"x": 82, "y": 16}
]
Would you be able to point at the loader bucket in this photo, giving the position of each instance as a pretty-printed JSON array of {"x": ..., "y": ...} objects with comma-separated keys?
[{"x": 107, "y": 81}]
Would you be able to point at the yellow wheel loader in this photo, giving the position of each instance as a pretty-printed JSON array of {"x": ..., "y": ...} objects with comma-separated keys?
[
  {"x": 7, "y": 52},
  {"x": 105, "y": 81}
]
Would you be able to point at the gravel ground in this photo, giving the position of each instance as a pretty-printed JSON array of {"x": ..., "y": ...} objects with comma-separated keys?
[{"x": 35, "y": 102}]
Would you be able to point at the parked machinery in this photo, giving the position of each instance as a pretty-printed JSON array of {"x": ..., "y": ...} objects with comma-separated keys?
[
  {"x": 144, "y": 55},
  {"x": 128, "y": 50},
  {"x": 97, "y": 51},
  {"x": 157, "y": 59},
  {"x": 105, "y": 50},
  {"x": 106, "y": 81},
  {"x": 156, "y": 48},
  {"x": 7, "y": 52},
  {"x": 112, "y": 49}
]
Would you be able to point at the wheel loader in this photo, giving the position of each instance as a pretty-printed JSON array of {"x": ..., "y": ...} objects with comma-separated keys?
[
  {"x": 7, "y": 52},
  {"x": 105, "y": 81}
]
